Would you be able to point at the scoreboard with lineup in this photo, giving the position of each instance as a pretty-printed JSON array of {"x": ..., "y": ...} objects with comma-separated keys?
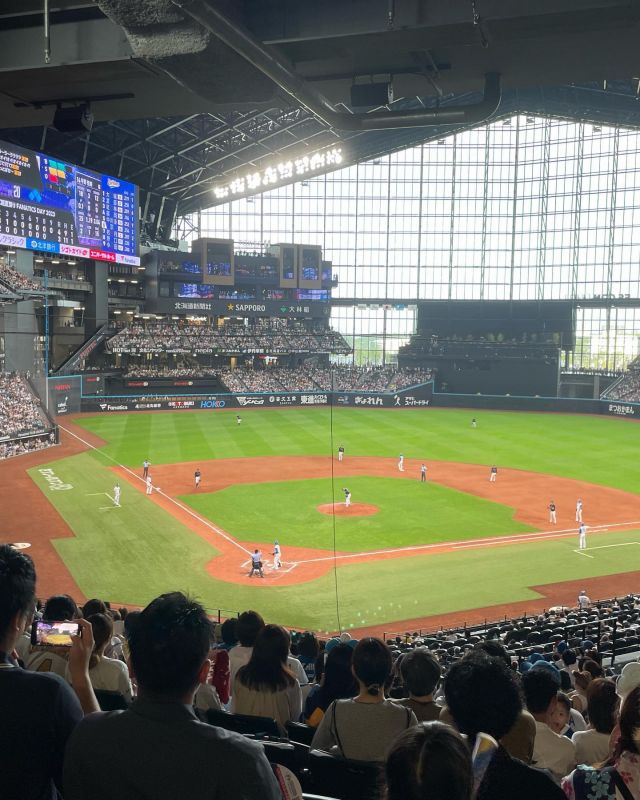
[{"x": 54, "y": 207}]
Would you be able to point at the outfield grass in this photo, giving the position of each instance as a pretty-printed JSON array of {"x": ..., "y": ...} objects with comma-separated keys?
[
  {"x": 131, "y": 554},
  {"x": 134, "y": 553},
  {"x": 596, "y": 449},
  {"x": 410, "y": 513}
]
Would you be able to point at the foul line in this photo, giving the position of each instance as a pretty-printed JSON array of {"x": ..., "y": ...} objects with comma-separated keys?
[
  {"x": 189, "y": 511},
  {"x": 465, "y": 545},
  {"x": 442, "y": 546}
]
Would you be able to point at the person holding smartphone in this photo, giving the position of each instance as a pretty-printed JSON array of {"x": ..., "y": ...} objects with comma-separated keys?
[
  {"x": 39, "y": 709},
  {"x": 164, "y": 751}
]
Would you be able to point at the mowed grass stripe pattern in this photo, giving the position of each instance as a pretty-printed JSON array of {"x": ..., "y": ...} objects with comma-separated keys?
[
  {"x": 410, "y": 513},
  {"x": 598, "y": 450},
  {"x": 132, "y": 554}
]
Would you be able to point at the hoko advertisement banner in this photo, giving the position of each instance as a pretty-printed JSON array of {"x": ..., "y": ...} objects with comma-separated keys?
[{"x": 415, "y": 397}]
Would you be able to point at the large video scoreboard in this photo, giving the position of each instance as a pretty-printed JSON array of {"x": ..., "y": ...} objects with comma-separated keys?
[{"x": 50, "y": 206}]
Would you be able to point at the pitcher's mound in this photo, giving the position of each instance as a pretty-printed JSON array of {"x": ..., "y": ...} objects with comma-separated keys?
[{"x": 354, "y": 510}]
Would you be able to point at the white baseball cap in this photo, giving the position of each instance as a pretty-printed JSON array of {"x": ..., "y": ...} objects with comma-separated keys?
[{"x": 629, "y": 679}]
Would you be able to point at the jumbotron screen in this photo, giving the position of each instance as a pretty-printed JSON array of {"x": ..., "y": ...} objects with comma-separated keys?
[{"x": 50, "y": 206}]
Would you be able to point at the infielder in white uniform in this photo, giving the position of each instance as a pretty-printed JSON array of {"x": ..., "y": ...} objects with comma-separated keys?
[
  {"x": 149, "y": 485},
  {"x": 277, "y": 562},
  {"x": 401, "y": 463},
  {"x": 340, "y": 453},
  {"x": 579, "y": 510},
  {"x": 552, "y": 512},
  {"x": 582, "y": 537},
  {"x": 116, "y": 494},
  {"x": 347, "y": 497}
]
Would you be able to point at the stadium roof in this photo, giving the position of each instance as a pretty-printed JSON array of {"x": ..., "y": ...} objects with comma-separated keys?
[{"x": 187, "y": 94}]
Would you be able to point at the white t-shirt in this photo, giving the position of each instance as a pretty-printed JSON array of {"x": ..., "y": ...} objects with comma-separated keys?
[
  {"x": 238, "y": 657},
  {"x": 553, "y": 752},
  {"x": 206, "y": 698},
  {"x": 109, "y": 675},
  {"x": 591, "y": 746},
  {"x": 297, "y": 669},
  {"x": 46, "y": 661}
]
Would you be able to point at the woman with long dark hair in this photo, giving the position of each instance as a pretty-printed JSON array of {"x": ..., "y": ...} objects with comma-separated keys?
[
  {"x": 265, "y": 687},
  {"x": 620, "y": 776},
  {"x": 338, "y": 683},
  {"x": 363, "y": 728},
  {"x": 108, "y": 674}
]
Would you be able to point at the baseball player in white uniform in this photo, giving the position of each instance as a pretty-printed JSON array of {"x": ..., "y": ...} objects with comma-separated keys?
[
  {"x": 347, "y": 497},
  {"x": 582, "y": 537},
  {"x": 277, "y": 561},
  {"x": 340, "y": 453},
  {"x": 149, "y": 485},
  {"x": 552, "y": 512},
  {"x": 401, "y": 463},
  {"x": 579, "y": 510},
  {"x": 116, "y": 494},
  {"x": 493, "y": 475}
]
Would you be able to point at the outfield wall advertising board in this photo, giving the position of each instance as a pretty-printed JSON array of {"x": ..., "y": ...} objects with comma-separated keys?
[
  {"x": 72, "y": 394},
  {"x": 417, "y": 396}
]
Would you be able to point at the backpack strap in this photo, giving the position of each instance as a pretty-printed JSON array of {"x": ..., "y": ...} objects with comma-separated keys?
[{"x": 334, "y": 728}]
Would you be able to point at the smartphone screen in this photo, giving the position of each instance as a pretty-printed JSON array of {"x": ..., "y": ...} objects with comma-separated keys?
[{"x": 53, "y": 634}]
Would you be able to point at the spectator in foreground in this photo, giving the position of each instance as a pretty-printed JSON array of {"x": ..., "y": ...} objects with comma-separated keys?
[
  {"x": 106, "y": 674},
  {"x": 592, "y": 745},
  {"x": 364, "y": 727},
  {"x": 421, "y": 671},
  {"x": 308, "y": 649},
  {"x": 163, "y": 750},
  {"x": 59, "y": 608},
  {"x": 483, "y": 696},
  {"x": 551, "y": 751},
  {"x": 620, "y": 776},
  {"x": 578, "y": 698},
  {"x": 519, "y": 739},
  {"x": 249, "y": 625},
  {"x": 337, "y": 683},
  {"x": 431, "y": 761},
  {"x": 266, "y": 687},
  {"x": 39, "y": 710}
]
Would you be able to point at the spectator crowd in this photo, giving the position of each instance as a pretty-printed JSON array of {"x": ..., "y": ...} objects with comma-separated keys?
[
  {"x": 265, "y": 336},
  {"x": 627, "y": 387},
  {"x": 15, "y": 281},
  {"x": 425, "y": 720},
  {"x": 21, "y": 416}
]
